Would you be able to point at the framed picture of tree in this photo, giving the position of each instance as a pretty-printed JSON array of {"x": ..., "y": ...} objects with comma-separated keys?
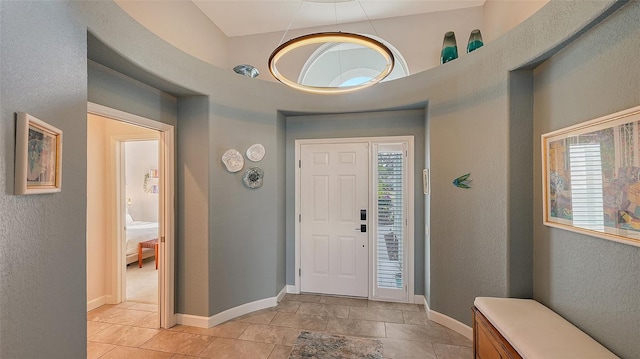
[{"x": 38, "y": 162}]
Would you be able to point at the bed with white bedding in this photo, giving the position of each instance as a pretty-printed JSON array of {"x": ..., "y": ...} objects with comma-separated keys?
[{"x": 136, "y": 232}]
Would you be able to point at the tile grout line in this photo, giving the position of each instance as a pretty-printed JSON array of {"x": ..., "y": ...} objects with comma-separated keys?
[
  {"x": 205, "y": 348},
  {"x": 434, "y": 350},
  {"x": 105, "y": 353},
  {"x": 146, "y": 341}
]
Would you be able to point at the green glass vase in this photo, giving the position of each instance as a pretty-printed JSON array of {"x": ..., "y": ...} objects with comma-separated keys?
[
  {"x": 449, "y": 48},
  {"x": 475, "y": 40}
]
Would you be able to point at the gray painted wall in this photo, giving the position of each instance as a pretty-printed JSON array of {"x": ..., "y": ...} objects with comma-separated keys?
[
  {"x": 193, "y": 290},
  {"x": 44, "y": 71},
  {"x": 113, "y": 89},
  {"x": 593, "y": 282},
  {"x": 42, "y": 237},
  {"x": 244, "y": 222},
  {"x": 378, "y": 124},
  {"x": 283, "y": 187},
  {"x": 520, "y": 182}
]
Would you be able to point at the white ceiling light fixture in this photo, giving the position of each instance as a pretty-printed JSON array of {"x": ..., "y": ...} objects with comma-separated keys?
[{"x": 330, "y": 37}]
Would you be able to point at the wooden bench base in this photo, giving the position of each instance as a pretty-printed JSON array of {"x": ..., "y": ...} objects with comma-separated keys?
[
  {"x": 513, "y": 328},
  {"x": 488, "y": 343}
]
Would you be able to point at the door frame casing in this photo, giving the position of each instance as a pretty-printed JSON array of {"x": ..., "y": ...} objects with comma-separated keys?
[
  {"x": 166, "y": 203},
  {"x": 410, "y": 204},
  {"x": 118, "y": 208}
]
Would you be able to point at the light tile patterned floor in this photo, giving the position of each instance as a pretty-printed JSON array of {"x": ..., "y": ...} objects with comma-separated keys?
[{"x": 129, "y": 330}]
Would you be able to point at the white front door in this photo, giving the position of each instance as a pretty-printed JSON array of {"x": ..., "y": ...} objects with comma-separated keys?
[{"x": 334, "y": 189}]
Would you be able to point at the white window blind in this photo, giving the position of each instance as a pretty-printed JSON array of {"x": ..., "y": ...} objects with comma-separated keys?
[
  {"x": 586, "y": 186},
  {"x": 390, "y": 208}
]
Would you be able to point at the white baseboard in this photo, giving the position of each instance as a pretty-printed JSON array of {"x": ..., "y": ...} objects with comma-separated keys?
[
  {"x": 192, "y": 320},
  {"x": 452, "y": 324},
  {"x": 442, "y": 319},
  {"x": 98, "y": 302},
  {"x": 110, "y": 299},
  {"x": 208, "y": 322},
  {"x": 95, "y": 303},
  {"x": 282, "y": 293},
  {"x": 242, "y": 310},
  {"x": 292, "y": 289}
]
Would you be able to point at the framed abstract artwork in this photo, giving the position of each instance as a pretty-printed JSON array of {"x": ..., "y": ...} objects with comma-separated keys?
[
  {"x": 38, "y": 162},
  {"x": 591, "y": 177}
]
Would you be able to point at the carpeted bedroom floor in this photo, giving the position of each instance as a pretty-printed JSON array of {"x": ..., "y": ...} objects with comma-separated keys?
[
  {"x": 142, "y": 283},
  {"x": 129, "y": 330}
]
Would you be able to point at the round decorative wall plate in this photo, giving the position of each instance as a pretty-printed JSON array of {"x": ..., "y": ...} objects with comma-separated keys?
[
  {"x": 253, "y": 177},
  {"x": 256, "y": 152},
  {"x": 233, "y": 160}
]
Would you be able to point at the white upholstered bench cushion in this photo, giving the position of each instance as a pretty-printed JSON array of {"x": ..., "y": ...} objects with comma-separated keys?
[{"x": 535, "y": 331}]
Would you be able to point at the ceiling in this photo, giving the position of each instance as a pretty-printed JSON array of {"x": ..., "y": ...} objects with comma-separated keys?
[{"x": 250, "y": 17}]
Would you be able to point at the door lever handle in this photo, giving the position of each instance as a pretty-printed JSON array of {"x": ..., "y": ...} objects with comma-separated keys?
[{"x": 362, "y": 228}]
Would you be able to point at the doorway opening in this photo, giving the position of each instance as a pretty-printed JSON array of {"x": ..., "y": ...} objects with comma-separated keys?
[
  {"x": 355, "y": 205},
  {"x": 141, "y": 188},
  {"x": 130, "y": 212}
]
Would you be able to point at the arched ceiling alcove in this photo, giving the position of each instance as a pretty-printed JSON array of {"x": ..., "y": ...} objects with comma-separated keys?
[{"x": 227, "y": 33}]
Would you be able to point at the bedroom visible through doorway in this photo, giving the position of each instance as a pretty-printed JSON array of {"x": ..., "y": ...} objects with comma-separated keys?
[
  {"x": 122, "y": 213},
  {"x": 141, "y": 187},
  {"x": 140, "y": 201}
]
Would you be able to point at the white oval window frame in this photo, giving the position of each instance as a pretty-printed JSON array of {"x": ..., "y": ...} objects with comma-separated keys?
[{"x": 400, "y": 70}]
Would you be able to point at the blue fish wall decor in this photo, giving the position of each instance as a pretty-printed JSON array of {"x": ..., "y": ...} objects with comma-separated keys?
[{"x": 463, "y": 181}]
